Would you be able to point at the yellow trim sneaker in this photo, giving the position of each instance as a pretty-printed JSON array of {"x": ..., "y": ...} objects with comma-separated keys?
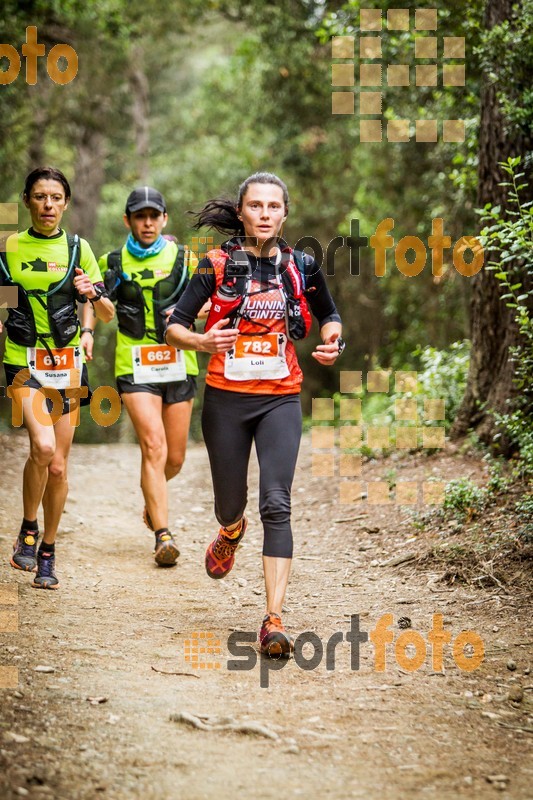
[
  {"x": 166, "y": 550},
  {"x": 220, "y": 555},
  {"x": 25, "y": 551}
]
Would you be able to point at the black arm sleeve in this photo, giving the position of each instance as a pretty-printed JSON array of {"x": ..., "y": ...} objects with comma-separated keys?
[
  {"x": 199, "y": 289},
  {"x": 318, "y": 295}
]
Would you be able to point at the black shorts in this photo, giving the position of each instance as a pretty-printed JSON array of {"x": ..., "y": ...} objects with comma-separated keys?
[
  {"x": 174, "y": 392},
  {"x": 12, "y": 370}
]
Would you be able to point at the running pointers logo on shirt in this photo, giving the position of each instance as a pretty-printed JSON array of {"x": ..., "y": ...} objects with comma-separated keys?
[{"x": 265, "y": 305}]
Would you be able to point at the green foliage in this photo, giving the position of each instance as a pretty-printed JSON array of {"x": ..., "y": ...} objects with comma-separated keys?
[
  {"x": 463, "y": 497},
  {"x": 506, "y": 53},
  {"x": 524, "y": 510},
  {"x": 443, "y": 375},
  {"x": 509, "y": 233}
]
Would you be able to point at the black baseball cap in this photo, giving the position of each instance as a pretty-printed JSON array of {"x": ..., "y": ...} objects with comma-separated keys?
[{"x": 145, "y": 197}]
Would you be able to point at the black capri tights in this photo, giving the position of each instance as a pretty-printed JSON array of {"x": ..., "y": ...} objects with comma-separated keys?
[{"x": 231, "y": 421}]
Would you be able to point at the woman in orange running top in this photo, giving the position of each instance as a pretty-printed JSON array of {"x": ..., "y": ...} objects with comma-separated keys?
[{"x": 259, "y": 305}]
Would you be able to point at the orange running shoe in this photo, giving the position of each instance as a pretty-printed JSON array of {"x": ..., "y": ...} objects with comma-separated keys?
[
  {"x": 220, "y": 555},
  {"x": 274, "y": 640}
]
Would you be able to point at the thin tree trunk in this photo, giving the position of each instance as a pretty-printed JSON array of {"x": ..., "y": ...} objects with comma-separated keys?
[
  {"x": 88, "y": 181},
  {"x": 140, "y": 110}
]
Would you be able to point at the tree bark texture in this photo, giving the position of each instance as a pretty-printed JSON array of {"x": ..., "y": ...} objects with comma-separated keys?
[{"x": 490, "y": 386}]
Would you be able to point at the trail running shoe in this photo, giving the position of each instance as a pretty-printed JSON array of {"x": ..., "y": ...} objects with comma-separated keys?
[
  {"x": 220, "y": 555},
  {"x": 46, "y": 577},
  {"x": 25, "y": 551},
  {"x": 274, "y": 640},
  {"x": 166, "y": 550},
  {"x": 147, "y": 519}
]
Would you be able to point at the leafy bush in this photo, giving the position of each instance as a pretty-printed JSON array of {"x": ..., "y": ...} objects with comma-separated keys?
[
  {"x": 444, "y": 374},
  {"x": 511, "y": 235},
  {"x": 463, "y": 496}
]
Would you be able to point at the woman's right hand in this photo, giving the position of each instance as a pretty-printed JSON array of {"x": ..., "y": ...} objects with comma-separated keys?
[{"x": 218, "y": 338}]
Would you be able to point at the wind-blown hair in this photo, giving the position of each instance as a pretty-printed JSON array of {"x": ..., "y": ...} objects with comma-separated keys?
[{"x": 222, "y": 212}]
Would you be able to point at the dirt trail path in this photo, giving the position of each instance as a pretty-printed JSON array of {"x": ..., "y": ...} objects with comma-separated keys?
[{"x": 341, "y": 733}]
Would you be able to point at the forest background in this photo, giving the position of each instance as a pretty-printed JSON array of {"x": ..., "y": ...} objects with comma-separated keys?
[{"x": 191, "y": 97}]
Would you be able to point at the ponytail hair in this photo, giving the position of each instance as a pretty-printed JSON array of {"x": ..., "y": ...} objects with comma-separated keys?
[
  {"x": 222, "y": 212},
  {"x": 221, "y": 215}
]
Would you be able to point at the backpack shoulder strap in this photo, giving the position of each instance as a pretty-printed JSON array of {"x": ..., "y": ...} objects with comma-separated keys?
[
  {"x": 114, "y": 260},
  {"x": 181, "y": 263},
  {"x": 218, "y": 259},
  {"x": 301, "y": 260},
  {"x": 4, "y": 267},
  {"x": 74, "y": 255},
  {"x": 74, "y": 251}
]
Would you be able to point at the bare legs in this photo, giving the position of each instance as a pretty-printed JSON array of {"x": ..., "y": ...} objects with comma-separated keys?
[
  {"x": 45, "y": 472},
  {"x": 162, "y": 431}
]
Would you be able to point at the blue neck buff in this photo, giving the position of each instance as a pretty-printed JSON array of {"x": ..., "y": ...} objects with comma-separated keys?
[{"x": 136, "y": 250}]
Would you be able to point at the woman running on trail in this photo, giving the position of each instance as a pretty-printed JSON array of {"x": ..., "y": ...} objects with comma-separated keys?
[
  {"x": 53, "y": 271},
  {"x": 255, "y": 282},
  {"x": 157, "y": 384}
]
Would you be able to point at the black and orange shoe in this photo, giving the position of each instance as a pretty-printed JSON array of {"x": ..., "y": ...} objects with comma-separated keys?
[
  {"x": 147, "y": 519},
  {"x": 166, "y": 550},
  {"x": 46, "y": 577},
  {"x": 274, "y": 641},
  {"x": 220, "y": 555},
  {"x": 25, "y": 551}
]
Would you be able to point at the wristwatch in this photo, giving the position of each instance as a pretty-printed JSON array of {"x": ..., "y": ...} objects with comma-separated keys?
[
  {"x": 100, "y": 292},
  {"x": 341, "y": 345},
  {"x": 87, "y": 330}
]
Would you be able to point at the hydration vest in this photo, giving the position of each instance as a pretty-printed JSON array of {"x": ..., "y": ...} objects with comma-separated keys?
[
  {"x": 130, "y": 300},
  {"x": 292, "y": 285},
  {"x": 59, "y": 300}
]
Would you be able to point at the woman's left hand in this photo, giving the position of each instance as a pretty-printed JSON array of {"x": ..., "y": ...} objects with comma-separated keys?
[
  {"x": 328, "y": 352},
  {"x": 84, "y": 285}
]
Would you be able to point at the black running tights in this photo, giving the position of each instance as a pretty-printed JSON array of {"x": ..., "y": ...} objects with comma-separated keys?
[{"x": 231, "y": 421}]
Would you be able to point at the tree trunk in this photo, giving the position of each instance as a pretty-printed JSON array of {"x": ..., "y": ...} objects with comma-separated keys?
[
  {"x": 88, "y": 182},
  {"x": 490, "y": 386},
  {"x": 140, "y": 93}
]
